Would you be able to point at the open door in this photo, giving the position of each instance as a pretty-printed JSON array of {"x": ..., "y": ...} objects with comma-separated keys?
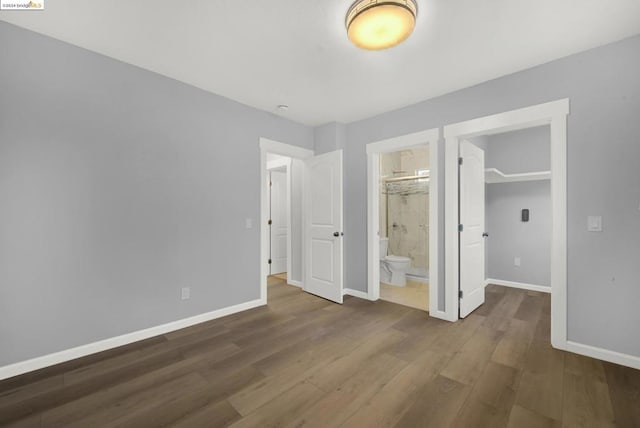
[
  {"x": 279, "y": 221},
  {"x": 472, "y": 209},
  {"x": 323, "y": 226}
]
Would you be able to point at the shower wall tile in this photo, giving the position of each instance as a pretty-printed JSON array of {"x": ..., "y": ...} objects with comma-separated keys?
[{"x": 405, "y": 218}]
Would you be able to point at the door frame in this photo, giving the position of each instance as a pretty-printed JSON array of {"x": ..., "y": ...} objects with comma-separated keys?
[
  {"x": 275, "y": 165},
  {"x": 374, "y": 150},
  {"x": 555, "y": 115},
  {"x": 270, "y": 146}
]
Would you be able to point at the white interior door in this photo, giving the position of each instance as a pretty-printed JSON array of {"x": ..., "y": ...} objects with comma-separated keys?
[
  {"x": 323, "y": 226},
  {"x": 472, "y": 209},
  {"x": 279, "y": 221}
]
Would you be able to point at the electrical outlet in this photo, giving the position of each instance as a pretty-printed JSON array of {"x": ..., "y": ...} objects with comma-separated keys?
[
  {"x": 185, "y": 293},
  {"x": 517, "y": 261}
]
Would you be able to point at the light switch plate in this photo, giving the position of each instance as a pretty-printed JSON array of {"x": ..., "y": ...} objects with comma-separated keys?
[
  {"x": 517, "y": 261},
  {"x": 248, "y": 223},
  {"x": 185, "y": 293},
  {"x": 594, "y": 223}
]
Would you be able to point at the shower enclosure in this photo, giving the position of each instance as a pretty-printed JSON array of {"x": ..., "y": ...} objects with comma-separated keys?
[{"x": 404, "y": 210}]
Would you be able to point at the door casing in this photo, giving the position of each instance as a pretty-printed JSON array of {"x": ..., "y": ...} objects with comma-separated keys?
[
  {"x": 374, "y": 150},
  {"x": 270, "y": 146},
  {"x": 555, "y": 115}
]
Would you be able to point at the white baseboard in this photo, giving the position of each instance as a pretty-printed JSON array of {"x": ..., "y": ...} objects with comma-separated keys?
[
  {"x": 294, "y": 283},
  {"x": 604, "y": 354},
  {"x": 355, "y": 293},
  {"x": 522, "y": 285},
  {"x": 114, "y": 342}
]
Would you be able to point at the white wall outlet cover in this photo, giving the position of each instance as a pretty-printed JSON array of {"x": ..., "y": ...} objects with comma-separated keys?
[
  {"x": 248, "y": 223},
  {"x": 594, "y": 223},
  {"x": 517, "y": 261},
  {"x": 185, "y": 293}
]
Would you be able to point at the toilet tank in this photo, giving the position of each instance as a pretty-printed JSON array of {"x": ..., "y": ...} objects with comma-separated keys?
[{"x": 384, "y": 245}]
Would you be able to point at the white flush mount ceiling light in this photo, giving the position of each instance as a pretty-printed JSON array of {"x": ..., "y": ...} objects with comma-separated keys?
[{"x": 380, "y": 24}]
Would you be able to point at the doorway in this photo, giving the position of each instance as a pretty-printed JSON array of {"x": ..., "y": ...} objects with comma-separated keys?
[
  {"x": 313, "y": 238},
  {"x": 397, "y": 204},
  {"x": 404, "y": 227},
  {"x": 553, "y": 114},
  {"x": 279, "y": 178}
]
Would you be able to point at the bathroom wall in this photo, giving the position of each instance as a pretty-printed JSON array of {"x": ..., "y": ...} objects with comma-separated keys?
[
  {"x": 118, "y": 187},
  {"x": 405, "y": 215}
]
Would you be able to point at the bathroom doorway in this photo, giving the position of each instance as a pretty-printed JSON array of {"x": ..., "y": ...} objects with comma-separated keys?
[
  {"x": 404, "y": 227},
  {"x": 403, "y": 219}
]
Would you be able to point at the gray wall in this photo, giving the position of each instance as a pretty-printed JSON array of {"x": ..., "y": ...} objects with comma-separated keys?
[
  {"x": 527, "y": 150},
  {"x": 509, "y": 237},
  {"x": 329, "y": 137},
  {"x": 603, "y": 178},
  {"x": 116, "y": 189},
  {"x": 517, "y": 152},
  {"x": 119, "y": 186}
]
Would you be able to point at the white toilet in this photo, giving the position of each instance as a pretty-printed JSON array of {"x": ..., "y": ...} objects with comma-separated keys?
[{"x": 393, "y": 269}]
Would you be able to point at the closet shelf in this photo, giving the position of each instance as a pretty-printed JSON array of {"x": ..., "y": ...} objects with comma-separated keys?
[{"x": 494, "y": 175}]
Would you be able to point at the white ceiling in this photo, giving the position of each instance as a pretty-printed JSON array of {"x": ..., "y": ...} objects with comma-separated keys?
[{"x": 264, "y": 53}]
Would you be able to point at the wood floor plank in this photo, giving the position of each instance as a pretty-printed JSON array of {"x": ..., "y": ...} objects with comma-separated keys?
[
  {"x": 492, "y": 299},
  {"x": 33, "y": 421},
  {"x": 525, "y": 418},
  {"x": 284, "y": 409},
  {"x": 624, "y": 390},
  {"x": 584, "y": 366},
  {"x": 304, "y": 361},
  {"x": 219, "y": 414},
  {"x": 255, "y": 395},
  {"x": 437, "y": 404},
  {"x": 28, "y": 390},
  {"x": 330, "y": 376},
  {"x": 586, "y": 402},
  {"x": 56, "y": 397},
  {"x": 502, "y": 314},
  {"x": 338, "y": 405},
  {"x": 306, "y": 353},
  {"x": 467, "y": 365},
  {"x": 530, "y": 308},
  {"x": 91, "y": 403},
  {"x": 491, "y": 398},
  {"x": 457, "y": 334},
  {"x": 117, "y": 413},
  {"x": 52, "y": 371},
  {"x": 478, "y": 414},
  {"x": 393, "y": 400},
  {"x": 497, "y": 385},
  {"x": 513, "y": 346},
  {"x": 541, "y": 385}
]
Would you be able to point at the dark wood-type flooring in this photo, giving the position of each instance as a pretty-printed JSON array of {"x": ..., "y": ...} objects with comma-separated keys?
[{"x": 303, "y": 361}]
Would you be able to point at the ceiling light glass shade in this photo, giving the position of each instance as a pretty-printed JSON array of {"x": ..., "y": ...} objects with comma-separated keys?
[{"x": 380, "y": 24}]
